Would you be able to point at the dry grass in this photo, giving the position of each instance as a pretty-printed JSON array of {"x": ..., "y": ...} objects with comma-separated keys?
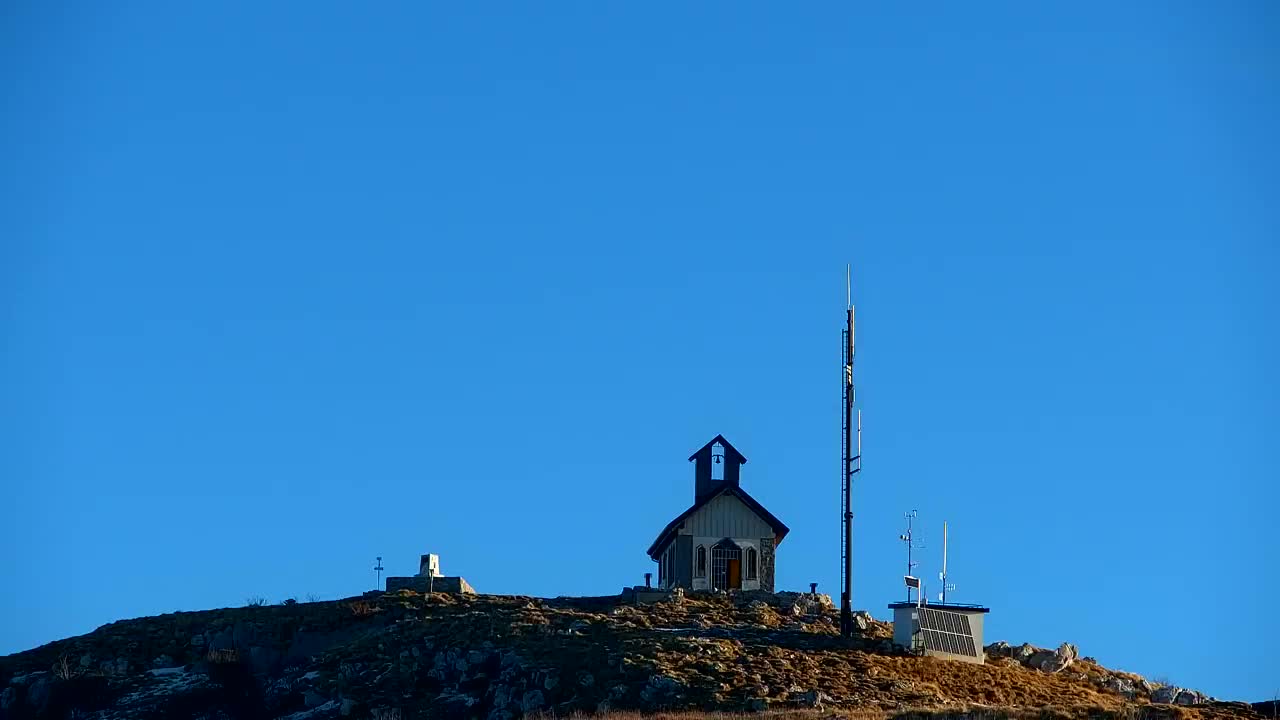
[
  {"x": 223, "y": 657},
  {"x": 871, "y": 714},
  {"x": 923, "y": 713},
  {"x": 362, "y": 608},
  {"x": 63, "y": 669},
  {"x": 723, "y": 652}
]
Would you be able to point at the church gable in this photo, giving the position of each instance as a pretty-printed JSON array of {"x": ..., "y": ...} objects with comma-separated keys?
[
  {"x": 726, "y": 515},
  {"x": 726, "y": 540}
]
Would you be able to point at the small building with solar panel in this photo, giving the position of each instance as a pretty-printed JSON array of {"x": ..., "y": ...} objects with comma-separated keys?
[{"x": 945, "y": 630}]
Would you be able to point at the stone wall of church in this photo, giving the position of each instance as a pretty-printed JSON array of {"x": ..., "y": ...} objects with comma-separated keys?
[{"x": 766, "y": 564}]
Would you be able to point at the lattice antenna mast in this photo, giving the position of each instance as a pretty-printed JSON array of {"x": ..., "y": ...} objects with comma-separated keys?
[
  {"x": 850, "y": 463},
  {"x": 909, "y": 538},
  {"x": 942, "y": 596},
  {"x": 379, "y": 568}
]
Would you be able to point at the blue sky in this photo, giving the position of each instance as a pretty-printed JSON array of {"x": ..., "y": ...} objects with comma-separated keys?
[{"x": 288, "y": 287}]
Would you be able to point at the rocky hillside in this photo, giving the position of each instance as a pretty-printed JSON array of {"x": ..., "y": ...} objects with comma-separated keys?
[{"x": 409, "y": 655}]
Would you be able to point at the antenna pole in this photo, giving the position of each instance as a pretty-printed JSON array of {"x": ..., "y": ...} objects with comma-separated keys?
[
  {"x": 908, "y": 538},
  {"x": 944, "y": 561},
  {"x": 850, "y": 464},
  {"x": 943, "y": 575},
  {"x": 910, "y": 564}
]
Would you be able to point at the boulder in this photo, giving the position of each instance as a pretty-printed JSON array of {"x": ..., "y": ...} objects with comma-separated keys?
[
  {"x": 797, "y": 604},
  {"x": 1056, "y": 661},
  {"x": 1189, "y": 697},
  {"x": 39, "y": 690},
  {"x": 1121, "y": 686},
  {"x": 532, "y": 701},
  {"x": 115, "y": 668},
  {"x": 511, "y": 662},
  {"x": 1165, "y": 694},
  {"x": 1174, "y": 695},
  {"x": 501, "y": 696},
  {"x": 316, "y": 713},
  {"x": 813, "y": 699},
  {"x": 454, "y": 704},
  {"x": 660, "y": 689}
]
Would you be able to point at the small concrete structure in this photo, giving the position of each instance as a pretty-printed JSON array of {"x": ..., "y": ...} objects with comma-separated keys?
[
  {"x": 643, "y": 595},
  {"x": 418, "y": 583},
  {"x": 429, "y": 565},
  {"x": 429, "y": 579},
  {"x": 908, "y": 633}
]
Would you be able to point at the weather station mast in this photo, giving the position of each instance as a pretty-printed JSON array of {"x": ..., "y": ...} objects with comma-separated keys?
[{"x": 851, "y": 464}]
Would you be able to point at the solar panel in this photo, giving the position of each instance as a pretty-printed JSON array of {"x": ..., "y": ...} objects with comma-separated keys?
[{"x": 947, "y": 632}]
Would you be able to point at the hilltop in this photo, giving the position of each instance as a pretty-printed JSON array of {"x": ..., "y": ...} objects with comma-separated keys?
[{"x": 409, "y": 654}]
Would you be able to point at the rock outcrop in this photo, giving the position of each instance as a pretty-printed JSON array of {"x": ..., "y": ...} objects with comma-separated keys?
[
  {"x": 1126, "y": 685},
  {"x": 408, "y": 655}
]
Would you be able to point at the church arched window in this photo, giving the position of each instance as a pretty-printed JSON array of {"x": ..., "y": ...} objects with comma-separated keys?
[
  {"x": 751, "y": 563},
  {"x": 700, "y": 562}
]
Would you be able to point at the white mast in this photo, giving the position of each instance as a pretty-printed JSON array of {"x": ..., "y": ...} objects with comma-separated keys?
[{"x": 942, "y": 596}]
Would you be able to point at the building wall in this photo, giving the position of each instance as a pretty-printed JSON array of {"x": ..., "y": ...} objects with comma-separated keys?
[
  {"x": 975, "y": 624},
  {"x": 766, "y": 563},
  {"x": 704, "y": 583},
  {"x": 727, "y": 516},
  {"x": 902, "y": 626},
  {"x": 422, "y": 584},
  {"x": 723, "y": 517},
  {"x": 684, "y": 562}
]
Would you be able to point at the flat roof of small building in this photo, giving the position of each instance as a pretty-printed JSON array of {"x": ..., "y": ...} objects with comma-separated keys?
[{"x": 954, "y": 607}]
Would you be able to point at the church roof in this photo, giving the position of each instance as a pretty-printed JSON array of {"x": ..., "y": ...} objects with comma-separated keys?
[
  {"x": 730, "y": 451},
  {"x": 779, "y": 529}
]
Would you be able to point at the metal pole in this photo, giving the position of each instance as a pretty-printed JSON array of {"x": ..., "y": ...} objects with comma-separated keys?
[
  {"x": 944, "y": 562},
  {"x": 846, "y": 595},
  {"x": 910, "y": 546}
]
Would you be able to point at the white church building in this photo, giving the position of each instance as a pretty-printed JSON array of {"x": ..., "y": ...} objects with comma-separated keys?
[{"x": 726, "y": 540}]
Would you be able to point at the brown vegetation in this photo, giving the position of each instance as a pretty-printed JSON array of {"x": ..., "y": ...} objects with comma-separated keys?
[{"x": 707, "y": 656}]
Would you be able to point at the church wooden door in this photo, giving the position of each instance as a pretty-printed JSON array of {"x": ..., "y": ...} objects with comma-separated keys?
[{"x": 735, "y": 574}]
